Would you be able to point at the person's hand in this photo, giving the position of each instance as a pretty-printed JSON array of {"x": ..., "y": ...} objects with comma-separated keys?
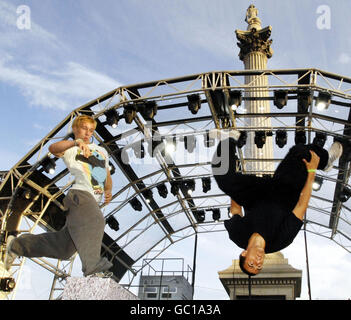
[
  {"x": 313, "y": 163},
  {"x": 84, "y": 147},
  {"x": 108, "y": 196}
]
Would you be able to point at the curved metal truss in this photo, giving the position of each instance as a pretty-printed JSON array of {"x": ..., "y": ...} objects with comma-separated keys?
[{"x": 151, "y": 207}]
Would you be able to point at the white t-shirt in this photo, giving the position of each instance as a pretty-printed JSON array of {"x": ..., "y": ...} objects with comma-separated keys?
[{"x": 90, "y": 173}]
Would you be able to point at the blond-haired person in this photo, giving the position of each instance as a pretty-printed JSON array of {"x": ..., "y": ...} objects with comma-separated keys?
[{"x": 84, "y": 228}]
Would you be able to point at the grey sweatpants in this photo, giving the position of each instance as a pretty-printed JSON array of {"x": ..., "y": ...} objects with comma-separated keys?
[{"x": 82, "y": 232}]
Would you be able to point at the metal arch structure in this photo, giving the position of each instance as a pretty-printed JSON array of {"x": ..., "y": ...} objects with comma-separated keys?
[{"x": 135, "y": 118}]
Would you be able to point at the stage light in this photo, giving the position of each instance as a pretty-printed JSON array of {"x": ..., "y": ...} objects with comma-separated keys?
[
  {"x": 194, "y": 103},
  {"x": 112, "y": 168},
  {"x": 281, "y": 138},
  {"x": 26, "y": 193},
  {"x": 216, "y": 214},
  {"x": 260, "y": 139},
  {"x": 147, "y": 109},
  {"x": 112, "y": 223},
  {"x": 304, "y": 100},
  {"x": 190, "y": 143},
  {"x": 323, "y": 101},
  {"x": 300, "y": 137},
  {"x": 112, "y": 118},
  {"x": 136, "y": 204},
  {"x": 320, "y": 139},
  {"x": 175, "y": 187},
  {"x": 280, "y": 98},
  {"x": 153, "y": 146},
  {"x": 189, "y": 185},
  {"x": 206, "y": 184},
  {"x": 242, "y": 139},
  {"x": 162, "y": 190},
  {"x": 139, "y": 150},
  {"x": 147, "y": 195},
  {"x": 129, "y": 113},
  {"x": 345, "y": 194},
  {"x": 200, "y": 216},
  {"x": 208, "y": 142},
  {"x": 7, "y": 284},
  {"x": 235, "y": 99},
  {"x": 317, "y": 184},
  {"x": 49, "y": 165},
  {"x": 171, "y": 145}
]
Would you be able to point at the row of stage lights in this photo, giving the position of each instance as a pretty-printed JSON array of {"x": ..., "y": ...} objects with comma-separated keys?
[
  {"x": 169, "y": 145},
  {"x": 186, "y": 185},
  {"x": 148, "y": 109},
  {"x": 200, "y": 216}
]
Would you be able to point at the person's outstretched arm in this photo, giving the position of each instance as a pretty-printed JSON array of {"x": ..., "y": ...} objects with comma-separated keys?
[{"x": 302, "y": 204}]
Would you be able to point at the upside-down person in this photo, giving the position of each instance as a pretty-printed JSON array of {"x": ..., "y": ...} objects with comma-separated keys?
[{"x": 274, "y": 206}]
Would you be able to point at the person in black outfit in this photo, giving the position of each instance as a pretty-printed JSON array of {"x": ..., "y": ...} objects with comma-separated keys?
[{"x": 274, "y": 206}]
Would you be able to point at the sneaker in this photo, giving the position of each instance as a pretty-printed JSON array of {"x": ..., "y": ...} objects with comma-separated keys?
[
  {"x": 9, "y": 255},
  {"x": 335, "y": 153},
  {"x": 103, "y": 274}
]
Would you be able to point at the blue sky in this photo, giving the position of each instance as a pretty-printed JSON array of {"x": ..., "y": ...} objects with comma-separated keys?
[{"x": 78, "y": 50}]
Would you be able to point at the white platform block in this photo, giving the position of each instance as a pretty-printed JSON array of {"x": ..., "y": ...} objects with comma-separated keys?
[{"x": 94, "y": 288}]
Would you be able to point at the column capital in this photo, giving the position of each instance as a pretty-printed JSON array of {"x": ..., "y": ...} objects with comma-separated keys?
[{"x": 254, "y": 41}]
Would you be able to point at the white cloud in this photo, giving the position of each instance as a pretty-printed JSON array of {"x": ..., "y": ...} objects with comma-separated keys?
[
  {"x": 45, "y": 80},
  {"x": 12, "y": 36},
  {"x": 62, "y": 88}
]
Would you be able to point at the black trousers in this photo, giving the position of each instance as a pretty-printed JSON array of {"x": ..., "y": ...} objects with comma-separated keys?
[{"x": 246, "y": 189}]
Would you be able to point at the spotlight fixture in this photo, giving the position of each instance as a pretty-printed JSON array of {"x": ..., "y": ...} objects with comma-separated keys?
[
  {"x": 189, "y": 185},
  {"x": 235, "y": 99},
  {"x": 194, "y": 103},
  {"x": 280, "y": 98},
  {"x": 242, "y": 139},
  {"x": 300, "y": 137},
  {"x": 260, "y": 139},
  {"x": 216, "y": 214},
  {"x": 112, "y": 168},
  {"x": 162, "y": 190},
  {"x": 317, "y": 184},
  {"x": 208, "y": 142},
  {"x": 320, "y": 139},
  {"x": 139, "y": 150},
  {"x": 281, "y": 138},
  {"x": 304, "y": 100},
  {"x": 147, "y": 109},
  {"x": 190, "y": 143},
  {"x": 323, "y": 101},
  {"x": 153, "y": 146},
  {"x": 112, "y": 223},
  {"x": 112, "y": 117},
  {"x": 171, "y": 145},
  {"x": 136, "y": 204},
  {"x": 147, "y": 195},
  {"x": 123, "y": 155},
  {"x": 200, "y": 216},
  {"x": 129, "y": 113},
  {"x": 7, "y": 284},
  {"x": 175, "y": 187},
  {"x": 206, "y": 184},
  {"x": 25, "y": 193},
  {"x": 345, "y": 194},
  {"x": 49, "y": 165}
]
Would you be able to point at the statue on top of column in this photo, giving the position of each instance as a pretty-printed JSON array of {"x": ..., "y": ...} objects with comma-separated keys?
[
  {"x": 252, "y": 19},
  {"x": 255, "y": 39}
]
